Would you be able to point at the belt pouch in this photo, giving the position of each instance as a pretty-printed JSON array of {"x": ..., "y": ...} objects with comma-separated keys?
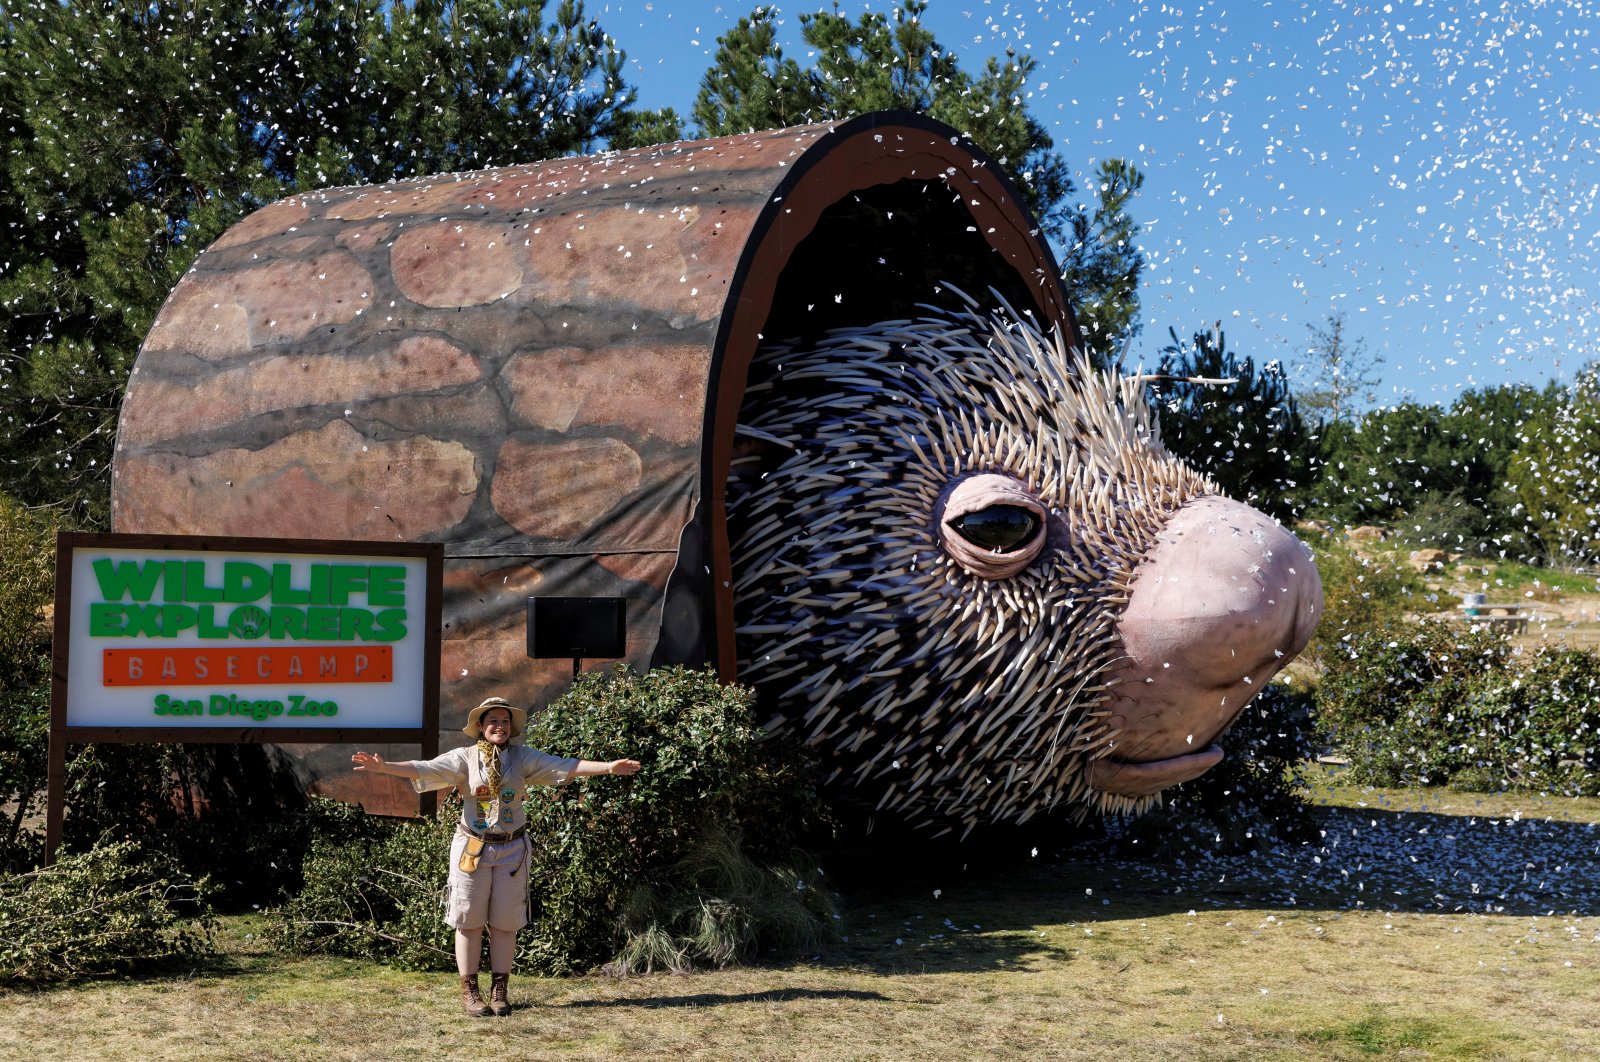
[{"x": 470, "y": 853}]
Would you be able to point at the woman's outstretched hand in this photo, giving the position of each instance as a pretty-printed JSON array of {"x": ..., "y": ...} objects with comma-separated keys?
[
  {"x": 371, "y": 761},
  {"x": 623, "y": 767}
]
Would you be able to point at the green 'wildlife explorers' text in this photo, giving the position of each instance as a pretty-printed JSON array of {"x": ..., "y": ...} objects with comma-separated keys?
[{"x": 164, "y": 599}]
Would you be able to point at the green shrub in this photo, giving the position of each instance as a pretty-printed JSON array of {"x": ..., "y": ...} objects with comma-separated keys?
[
  {"x": 1535, "y": 726},
  {"x": 229, "y": 811},
  {"x": 1379, "y": 697},
  {"x": 619, "y": 860},
  {"x": 1361, "y": 593},
  {"x": 27, "y": 581},
  {"x": 1386, "y": 699},
  {"x": 1432, "y": 702},
  {"x": 1449, "y": 522},
  {"x": 24, "y": 754},
  {"x": 106, "y": 911},
  {"x": 372, "y": 888},
  {"x": 1475, "y": 780}
]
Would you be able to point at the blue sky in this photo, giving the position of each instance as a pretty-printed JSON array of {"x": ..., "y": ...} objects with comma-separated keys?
[{"x": 1430, "y": 169}]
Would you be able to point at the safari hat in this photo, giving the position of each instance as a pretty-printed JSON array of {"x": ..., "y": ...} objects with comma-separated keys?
[{"x": 519, "y": 717}]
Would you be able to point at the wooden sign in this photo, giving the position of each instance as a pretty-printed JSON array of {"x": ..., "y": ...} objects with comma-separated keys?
[{"x": 181, "y": 638}]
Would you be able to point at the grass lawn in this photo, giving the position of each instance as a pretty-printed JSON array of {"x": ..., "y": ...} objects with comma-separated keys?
[{"x": 1420, "y": 925}]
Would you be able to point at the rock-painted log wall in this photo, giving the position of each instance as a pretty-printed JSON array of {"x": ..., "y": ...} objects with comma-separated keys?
[{"x": 541, "y": 366}]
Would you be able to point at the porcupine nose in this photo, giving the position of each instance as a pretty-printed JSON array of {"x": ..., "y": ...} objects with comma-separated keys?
[{"x": 1220, "y": 604}]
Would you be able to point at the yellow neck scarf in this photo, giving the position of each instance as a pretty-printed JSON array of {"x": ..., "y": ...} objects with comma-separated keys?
[{"x": 491, "y": 762}]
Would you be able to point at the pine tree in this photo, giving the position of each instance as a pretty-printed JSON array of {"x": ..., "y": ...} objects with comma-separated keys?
[
  {"x": 882, "y": 62},
  {"x": 753, "y": 85},
  {"x": 467, "y": 84},
  {"x": 123, "y": 156},
  {"x": 1103, "y": 263},
  {"x": 1242, "y": 428}
]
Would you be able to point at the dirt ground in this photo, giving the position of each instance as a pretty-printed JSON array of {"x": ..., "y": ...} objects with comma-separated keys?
[
  {"x": 1561, "y": 617},
  {"x": 1574, "y": 622}
]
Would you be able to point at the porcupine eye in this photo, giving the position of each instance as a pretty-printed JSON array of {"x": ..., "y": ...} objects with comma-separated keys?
[
  {"x": 991, "y": 524},
  {"x": 1000, "y": 528}
]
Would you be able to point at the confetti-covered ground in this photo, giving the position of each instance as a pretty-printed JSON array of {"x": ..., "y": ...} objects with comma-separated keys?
[{"x": 1445, "y": 860}]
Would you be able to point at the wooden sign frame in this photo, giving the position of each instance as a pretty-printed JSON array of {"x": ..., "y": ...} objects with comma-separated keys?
[{"x": 62, "y": 734}]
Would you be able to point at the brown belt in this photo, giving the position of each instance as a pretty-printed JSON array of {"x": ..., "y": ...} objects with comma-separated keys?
[{"x": 490, "y": 837}]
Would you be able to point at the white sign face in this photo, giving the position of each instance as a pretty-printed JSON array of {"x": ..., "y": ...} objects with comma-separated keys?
[{"x": 173, "y": 637}]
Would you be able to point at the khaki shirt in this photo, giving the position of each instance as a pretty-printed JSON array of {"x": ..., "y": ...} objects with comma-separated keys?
[{"x": 482, "y": 810}]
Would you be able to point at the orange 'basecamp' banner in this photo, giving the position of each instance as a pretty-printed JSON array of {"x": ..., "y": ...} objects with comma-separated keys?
[{"x": 279, "y": 664}]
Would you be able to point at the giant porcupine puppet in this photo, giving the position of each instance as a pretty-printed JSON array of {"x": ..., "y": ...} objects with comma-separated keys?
[{"x": 973, "y": 581}]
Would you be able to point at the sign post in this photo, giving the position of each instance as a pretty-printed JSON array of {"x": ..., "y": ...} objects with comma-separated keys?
[{"x": 178, "y": 638}]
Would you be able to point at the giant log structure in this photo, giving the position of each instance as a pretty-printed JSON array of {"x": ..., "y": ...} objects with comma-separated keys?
[{"x": 545, "y": 368}]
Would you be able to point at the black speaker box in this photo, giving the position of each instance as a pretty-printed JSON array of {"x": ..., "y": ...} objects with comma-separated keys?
[{"x": 592, "y": 628}]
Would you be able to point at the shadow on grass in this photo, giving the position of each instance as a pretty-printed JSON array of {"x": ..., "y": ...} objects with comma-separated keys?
[
  {"x": 986, "y": 908},
  {"x": 1422, "y": 862},
  {"x": 714, "y": 999}
]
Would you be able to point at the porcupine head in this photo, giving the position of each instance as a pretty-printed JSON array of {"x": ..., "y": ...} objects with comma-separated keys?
[{"x": 971, "y": 579}]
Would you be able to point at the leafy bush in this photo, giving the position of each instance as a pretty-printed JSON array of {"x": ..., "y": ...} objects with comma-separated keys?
[
  {"x": 1361, "y": 593},
  {"x": 1385, "y": 701},
  {"x": 1448, "y": 522},
  {"x": 27, "y": 580},
  {"x": 372, "y": 888},
  {"x": 616, "y": 858},
  {"x": 1254, "y": 797},
  {"x": 106, "y": 911},
  {"x": 1533, "y": 727},
  {"x": 692, "y": 861},
  {"x": 24, "y": 752},
  {"x": 230, "y": 811},
  {"x": 1433, "y": 703}
]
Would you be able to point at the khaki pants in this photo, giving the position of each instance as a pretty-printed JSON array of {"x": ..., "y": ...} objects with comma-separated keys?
[{"x": 494, "y": 895}]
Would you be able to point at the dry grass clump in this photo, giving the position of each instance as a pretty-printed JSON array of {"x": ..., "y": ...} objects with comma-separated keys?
[{"x": 107, "y": 911}]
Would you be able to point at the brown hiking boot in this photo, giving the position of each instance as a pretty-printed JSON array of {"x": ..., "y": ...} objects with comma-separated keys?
[
  {"x": 471, "y": 1002},
  {"x": 498, "y": 985}
]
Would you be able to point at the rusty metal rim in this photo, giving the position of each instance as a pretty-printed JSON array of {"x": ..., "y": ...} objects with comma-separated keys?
[{"x": 850, "y": 157}]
